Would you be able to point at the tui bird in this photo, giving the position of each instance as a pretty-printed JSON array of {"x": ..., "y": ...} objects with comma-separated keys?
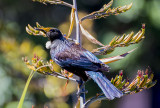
[{"x": 73, "y": 58}]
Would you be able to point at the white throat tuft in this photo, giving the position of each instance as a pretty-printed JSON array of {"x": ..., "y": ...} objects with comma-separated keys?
[{"x": 48, "y": 44}]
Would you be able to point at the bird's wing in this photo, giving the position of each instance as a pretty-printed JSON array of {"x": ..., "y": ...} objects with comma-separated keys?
[
  {"x": 76, "y": 56},
  {"x": 91, "y": 57},
  {"x": 76, "y": 52},
  {"x": 96, "y": 61}
]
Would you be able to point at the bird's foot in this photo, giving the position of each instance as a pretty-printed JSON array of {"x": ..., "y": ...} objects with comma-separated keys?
[
  {"x": 81, "y": 88},
  {"x": 80, "y": 91}
]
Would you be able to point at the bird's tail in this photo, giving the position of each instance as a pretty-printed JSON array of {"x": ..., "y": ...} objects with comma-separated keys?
[{"x": 108, "y": 89}]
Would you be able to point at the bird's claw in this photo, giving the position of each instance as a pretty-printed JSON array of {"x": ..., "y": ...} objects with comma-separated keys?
[{"x": 81, "y": 91}]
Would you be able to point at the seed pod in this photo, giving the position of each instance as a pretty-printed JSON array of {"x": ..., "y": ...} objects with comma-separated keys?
[
  {"x": 121, "y": 39},
  {"x": 29, "y": 31},
  {"x": 144, "y": 81},
  {"x": 128, "y": 38},
  {"x": 113, "y": 41},
  {"x": 106, "y": 7},
  {"x": 38, "y": 25},
  {"x": 141, "y": 34}
]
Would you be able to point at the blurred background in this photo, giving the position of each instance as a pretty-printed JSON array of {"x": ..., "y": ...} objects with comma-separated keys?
[{"x": 47, "y": 91}]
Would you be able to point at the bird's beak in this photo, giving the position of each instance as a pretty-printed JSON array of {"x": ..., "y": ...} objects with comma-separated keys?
[
  {"x": 40, "y": 29},
  {"x": 44, "y": 30}
]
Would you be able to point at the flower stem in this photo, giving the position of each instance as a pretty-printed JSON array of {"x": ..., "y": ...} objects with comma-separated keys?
[
  {"x": 20, "y": 104},
  {"x": 78, "y": 41}
]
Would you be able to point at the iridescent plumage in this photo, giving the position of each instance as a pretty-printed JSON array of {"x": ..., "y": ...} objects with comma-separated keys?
[{"x": 83, "y": 63}]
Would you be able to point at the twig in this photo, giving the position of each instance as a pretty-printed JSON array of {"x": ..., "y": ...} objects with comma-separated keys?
[
  {"x": 63, "y": 77},
  {"x": 61, "y": 3},
  {"x": 56, "y": 74},
  {"x": 55, "y": 2},
  {"x": 96, "y": 98}
]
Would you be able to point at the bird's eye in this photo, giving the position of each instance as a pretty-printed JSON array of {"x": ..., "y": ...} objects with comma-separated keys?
[{"x": 52, "y": 30}]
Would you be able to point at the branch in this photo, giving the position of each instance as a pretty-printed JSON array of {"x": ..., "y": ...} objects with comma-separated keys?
[
  {"x": 123, "y": 41},
  {"x": 45, "y": 68},
  {"x": 59, "y": 2},
  {"x": 107, "y": 11}
]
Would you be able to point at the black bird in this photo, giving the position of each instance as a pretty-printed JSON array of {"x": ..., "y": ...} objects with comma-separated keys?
[{"x": 73, "y": 58}]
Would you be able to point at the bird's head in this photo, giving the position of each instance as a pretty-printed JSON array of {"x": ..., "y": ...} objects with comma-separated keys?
[{"x": 51, "y": 33}]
